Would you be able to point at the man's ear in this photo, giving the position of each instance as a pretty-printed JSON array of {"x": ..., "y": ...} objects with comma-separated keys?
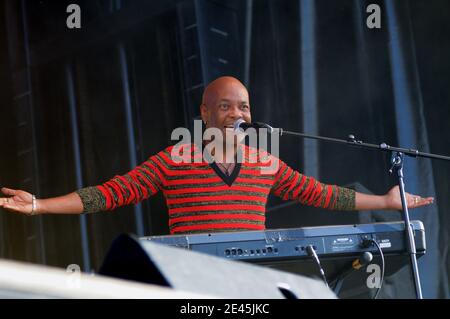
[{"x": 204, "y": 112}]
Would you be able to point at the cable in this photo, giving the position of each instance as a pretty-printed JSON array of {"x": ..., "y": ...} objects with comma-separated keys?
[
  {"x": 373, "y": 241},
  {"x": 312, "y": 253}
]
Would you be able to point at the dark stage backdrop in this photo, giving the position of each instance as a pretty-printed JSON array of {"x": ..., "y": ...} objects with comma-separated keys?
[{"x": 79, "y": 106}]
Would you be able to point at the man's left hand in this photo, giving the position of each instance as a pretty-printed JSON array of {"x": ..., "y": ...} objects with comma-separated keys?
[{"x": 393, "y": 200}]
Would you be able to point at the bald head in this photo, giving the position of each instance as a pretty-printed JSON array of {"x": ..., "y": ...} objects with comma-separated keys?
[{"x": 217, "y": 87}]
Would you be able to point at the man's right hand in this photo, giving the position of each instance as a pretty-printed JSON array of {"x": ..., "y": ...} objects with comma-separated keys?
[
  {"x": 16, "y": 201},
  {"x": 19, "y": 201}
]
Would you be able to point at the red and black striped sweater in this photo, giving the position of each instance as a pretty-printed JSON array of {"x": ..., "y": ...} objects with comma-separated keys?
[{"x": 201, "y": 198}]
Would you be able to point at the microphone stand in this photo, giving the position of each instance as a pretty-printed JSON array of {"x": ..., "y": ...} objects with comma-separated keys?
[{"x": 397, "y": 154}]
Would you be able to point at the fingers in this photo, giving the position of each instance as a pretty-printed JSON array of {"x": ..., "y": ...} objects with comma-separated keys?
[
  {"x": 3, "y": 201},
  {"x": 6, "y": 203},
  {"x": 417, "y": 201},
  {"x": 425, "y": 201},
  {"x": 14, "y": 207},
  {"x": 9, "y": 191}
]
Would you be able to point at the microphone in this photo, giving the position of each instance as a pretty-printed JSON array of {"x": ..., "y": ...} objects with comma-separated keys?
[{"x": 243, "y": 125}]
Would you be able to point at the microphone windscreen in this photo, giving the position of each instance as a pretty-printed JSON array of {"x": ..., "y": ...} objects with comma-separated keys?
[
  {"x": 366, "y": 257},
  {"x": 238, "y": 125}
]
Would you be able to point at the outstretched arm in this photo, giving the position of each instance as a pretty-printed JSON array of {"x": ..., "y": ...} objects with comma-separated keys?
[
  {"x": 292, "y": 185},
  {"x": 20, "y": 201},
  {"x": 131, "y": 188}
]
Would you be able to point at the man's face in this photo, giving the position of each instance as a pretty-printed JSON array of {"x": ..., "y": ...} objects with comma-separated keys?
[{"x": 225, "y": 102}]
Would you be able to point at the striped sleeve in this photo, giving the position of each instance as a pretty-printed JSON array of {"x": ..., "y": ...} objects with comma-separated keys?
[
  {"x": 135, "y": 186},
  {"x": 292, "y": 185}
]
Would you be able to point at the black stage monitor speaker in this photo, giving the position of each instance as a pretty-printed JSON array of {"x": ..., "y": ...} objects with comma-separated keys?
[{"x": 148, "y": 262}]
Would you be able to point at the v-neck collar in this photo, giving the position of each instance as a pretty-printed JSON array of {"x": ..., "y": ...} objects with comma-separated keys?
[{"x": 227, "y": 179}]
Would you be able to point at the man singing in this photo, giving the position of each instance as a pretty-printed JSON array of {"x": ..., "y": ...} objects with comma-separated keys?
[{"x": 211, "y": 190}]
